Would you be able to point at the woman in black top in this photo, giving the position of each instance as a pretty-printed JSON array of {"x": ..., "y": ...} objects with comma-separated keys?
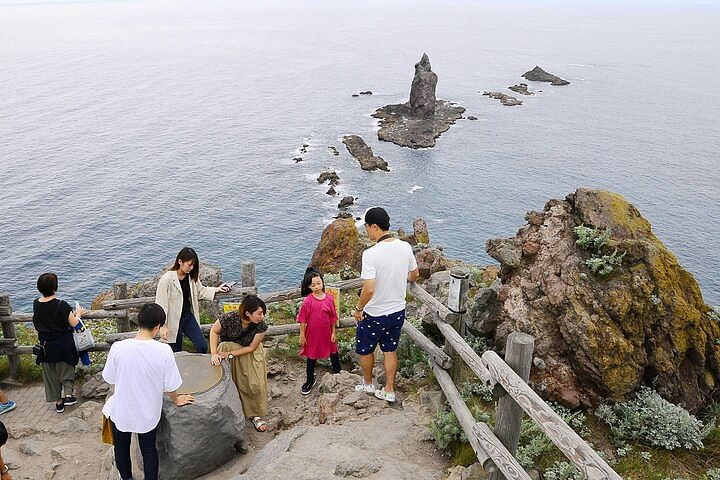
[
  {"x": 54, "y": 321},
  {"x": 237, "y": 337}
]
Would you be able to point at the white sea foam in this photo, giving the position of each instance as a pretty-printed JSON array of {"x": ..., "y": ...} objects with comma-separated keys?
[{"x": 415, "y": 188}]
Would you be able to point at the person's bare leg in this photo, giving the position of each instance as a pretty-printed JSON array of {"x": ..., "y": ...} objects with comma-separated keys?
[
  {"x": 3, "y": 397},
  {"x": 390, "y": 362},
  {"x": 367, "y": 362}
]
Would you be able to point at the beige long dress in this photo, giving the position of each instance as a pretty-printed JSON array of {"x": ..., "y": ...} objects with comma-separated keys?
[{"x": 249, "y": 372}]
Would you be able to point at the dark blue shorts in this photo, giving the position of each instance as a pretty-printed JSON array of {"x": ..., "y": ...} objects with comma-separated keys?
[{"x": 384, "y": 330}]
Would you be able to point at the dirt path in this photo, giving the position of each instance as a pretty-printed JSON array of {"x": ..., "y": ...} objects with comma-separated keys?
[{"x": 334, "y": 432}]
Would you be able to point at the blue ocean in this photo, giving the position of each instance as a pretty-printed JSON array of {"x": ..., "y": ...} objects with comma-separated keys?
[{"x": 129, "y": 129}]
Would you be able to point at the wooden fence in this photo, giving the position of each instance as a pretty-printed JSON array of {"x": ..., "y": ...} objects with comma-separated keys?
[{"x": 495, "y": 449}]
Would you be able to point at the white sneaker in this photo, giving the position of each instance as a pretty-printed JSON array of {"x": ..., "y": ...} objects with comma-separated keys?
[
  {"x": 365, "y": 388},
  {"x": 383, "y": 395}
]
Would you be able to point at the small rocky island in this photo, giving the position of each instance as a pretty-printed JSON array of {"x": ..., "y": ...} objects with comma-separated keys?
[
  {"x": 419, "y": 122},
  {"x": 522, "y": 89},
  {"x": 537, "y": 74},
  {"x": 364, "y": 154},
  {"x": 506, "y": 100}
]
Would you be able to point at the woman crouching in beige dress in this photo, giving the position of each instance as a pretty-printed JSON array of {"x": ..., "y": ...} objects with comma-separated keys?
[{"x": 237, "y": 337}]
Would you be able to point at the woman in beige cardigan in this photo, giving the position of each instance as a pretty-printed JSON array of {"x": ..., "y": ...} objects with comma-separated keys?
[{"x": 178, "y": 292}]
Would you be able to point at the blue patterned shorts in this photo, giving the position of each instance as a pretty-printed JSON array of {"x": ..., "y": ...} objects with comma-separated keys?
[{"x": 384, "y": 330}]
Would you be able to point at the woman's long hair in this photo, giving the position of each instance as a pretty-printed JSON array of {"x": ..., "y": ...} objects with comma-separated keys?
[
  {"x": 310, "y": 273},
  {"x": 249, "y": 305},
  {"x": 184, "y": 255}
]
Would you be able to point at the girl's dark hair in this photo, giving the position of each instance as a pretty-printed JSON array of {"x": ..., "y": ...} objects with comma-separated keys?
[
  {"x": 3, "y": 434},
  {"x": 250, "y": 304},
  {"x": 150, "y": 316},
  {"x": 310, "y": 273},
  {"x": 47, "y": 284},
  {"x": 186, "y": 254}
]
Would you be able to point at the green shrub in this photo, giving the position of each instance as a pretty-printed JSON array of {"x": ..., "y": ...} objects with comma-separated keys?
[
  {"x": 712, "y": 474},
  {"x": 652, "y": 420},
  {"x": 446, "y": 429},
  {"x": 477, "y": 389},
  {"x": 534, "y": 444},
  {"x": 479, "y": 344},
  {"x": 593, "y": 240},
  {"x": 562, "y": 471},
  {"x": 604, "y": 264},
  {"x": 408, "y": 355},
  {"x": 589, "y": 238}
]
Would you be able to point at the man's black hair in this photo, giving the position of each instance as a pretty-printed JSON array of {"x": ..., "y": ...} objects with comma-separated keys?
[
  {"x": 378, "y": 216},
  {"x": 150, "y": 316},
  {"x": 3, "y": 434}
]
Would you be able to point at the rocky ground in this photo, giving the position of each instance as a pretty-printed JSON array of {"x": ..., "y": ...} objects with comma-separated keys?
[{"x": 334, "y": 432}]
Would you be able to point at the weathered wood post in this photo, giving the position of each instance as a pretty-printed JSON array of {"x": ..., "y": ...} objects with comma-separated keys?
[
  {"x": 518, "y": 355},
  {"x": 457, "y": 303},
  {"x": 247, "y": 269},
  {"x": 8, "y": 329},
  {"x": 120, "y": 293}
]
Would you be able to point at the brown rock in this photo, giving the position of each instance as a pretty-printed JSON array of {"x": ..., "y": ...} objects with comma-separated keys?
[
  {"x": 425, "y": 259},
  {"x": 420, "y": 231},
  {"x": 530, "y": 248},
  {"x": 534, "y": 218},
  {"x": 506, "y": 251},
  {"x": 326, "y": 404},
  {"x": 340, "y": 245}
]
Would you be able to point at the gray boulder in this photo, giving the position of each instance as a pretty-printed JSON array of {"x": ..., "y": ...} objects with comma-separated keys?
[
  {"x": 196, "y": 439},
  {"x": 483, "y": 310}
]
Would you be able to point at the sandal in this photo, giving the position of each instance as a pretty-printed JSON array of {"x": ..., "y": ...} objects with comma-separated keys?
[{"x": 259, "y": 424}]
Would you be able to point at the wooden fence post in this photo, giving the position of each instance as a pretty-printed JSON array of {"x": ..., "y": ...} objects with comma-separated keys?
[
  {"x": 247, "y": 269},
  {"x": 457, "y": 303},
  {"x": 8, "y": 329},
  {"x": 120, "y": 293},
  {"x": 518, "y": 356}
]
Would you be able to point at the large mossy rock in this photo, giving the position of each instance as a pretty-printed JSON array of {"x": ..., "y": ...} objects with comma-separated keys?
[
  {"x": 602, "y": 337},
  {"x": 340, "y": 245}
]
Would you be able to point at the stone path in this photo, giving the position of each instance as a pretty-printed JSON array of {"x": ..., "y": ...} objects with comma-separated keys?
[{"x": 32, "y": 410}]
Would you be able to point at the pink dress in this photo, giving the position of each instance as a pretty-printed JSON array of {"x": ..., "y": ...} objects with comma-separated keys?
[{"x": 320, "y": 316}]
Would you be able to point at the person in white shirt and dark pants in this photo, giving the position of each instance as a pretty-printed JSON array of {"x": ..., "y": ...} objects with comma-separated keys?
[
  {"x": 380, "y": 312},
  {"x": 141, "y": 369}
]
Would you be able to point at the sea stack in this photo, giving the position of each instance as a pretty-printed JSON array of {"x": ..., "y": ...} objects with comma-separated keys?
[{"x": 419, "y": 122}]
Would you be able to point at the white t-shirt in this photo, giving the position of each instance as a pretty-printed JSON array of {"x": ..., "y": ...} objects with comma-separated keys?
[
  {"x": 389, "y": 264},
  {"x": 142, "y": 371}
]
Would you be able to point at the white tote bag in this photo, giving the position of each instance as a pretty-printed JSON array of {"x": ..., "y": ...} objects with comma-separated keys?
[{"x": 83, "y": 339}]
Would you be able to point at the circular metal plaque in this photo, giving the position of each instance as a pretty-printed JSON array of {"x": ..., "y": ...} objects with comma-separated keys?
[{"x": 197, "y": 373}]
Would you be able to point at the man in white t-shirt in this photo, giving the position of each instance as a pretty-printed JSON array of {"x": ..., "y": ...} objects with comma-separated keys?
[
  {"x": 380, "y": 312},
  {"x": 141, "y": 370}
]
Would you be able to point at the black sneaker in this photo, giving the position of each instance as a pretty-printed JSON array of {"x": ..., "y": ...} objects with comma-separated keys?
[
  {"x": 307, "y": 387},
  {"x": 60, "y": 407},
  {"x": 70, "y": 400}
]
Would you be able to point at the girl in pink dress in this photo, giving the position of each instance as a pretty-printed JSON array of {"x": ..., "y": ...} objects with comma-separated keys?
[{"x": 317, "y": 318}]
